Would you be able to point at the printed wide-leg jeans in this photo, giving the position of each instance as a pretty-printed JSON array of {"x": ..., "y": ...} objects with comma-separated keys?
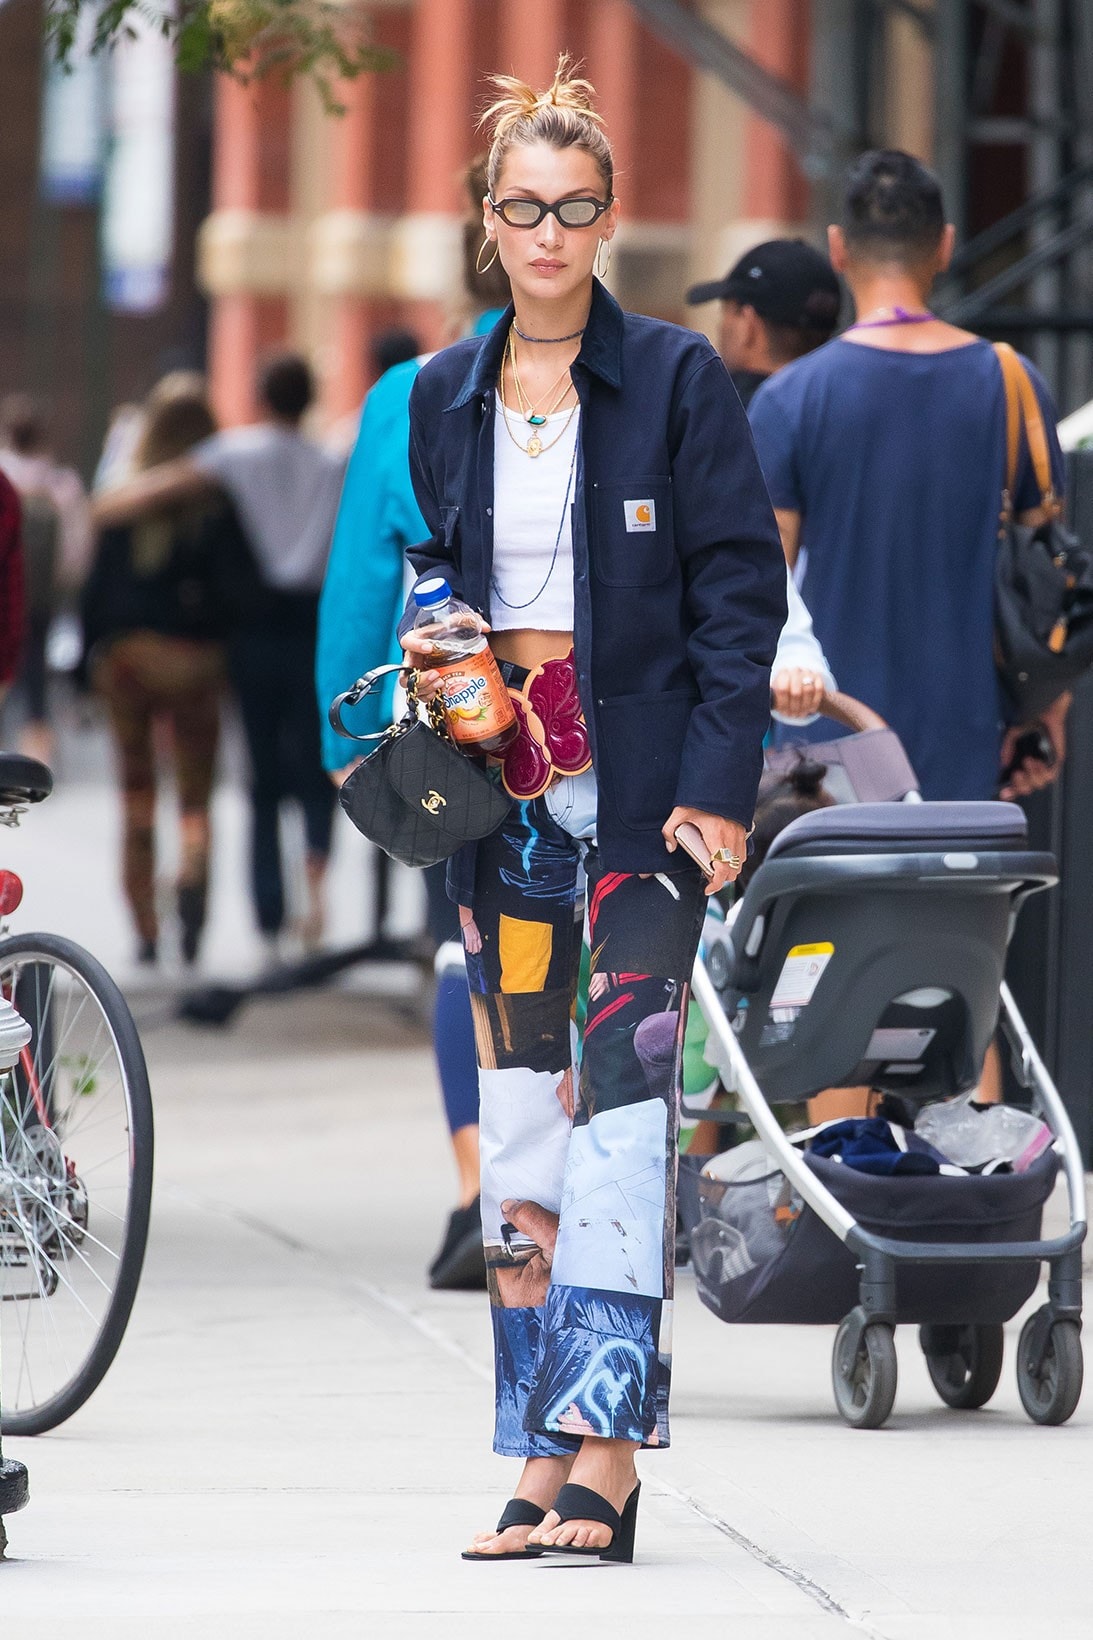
[{"x": 578, "y": 1126}]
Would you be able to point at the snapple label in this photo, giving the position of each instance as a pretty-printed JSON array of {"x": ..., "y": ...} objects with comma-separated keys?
[{"x": 477, "y": 708}]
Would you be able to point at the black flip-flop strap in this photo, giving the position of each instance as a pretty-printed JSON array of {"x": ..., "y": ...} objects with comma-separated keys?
[
  {"x": 520, "y": 1512},
  {"x": 581, "y": 1503}
]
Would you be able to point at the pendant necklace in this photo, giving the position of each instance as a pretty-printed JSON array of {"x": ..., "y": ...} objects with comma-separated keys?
[
  {"x": 534, "y": 446},
  {"x": 533, "y": 416}
]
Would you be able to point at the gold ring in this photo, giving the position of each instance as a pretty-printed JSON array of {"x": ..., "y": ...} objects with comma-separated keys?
[{"x": 733, "y": 861}]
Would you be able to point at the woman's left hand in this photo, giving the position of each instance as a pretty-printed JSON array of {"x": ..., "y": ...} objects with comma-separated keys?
[{"x": 717, "y": 833}]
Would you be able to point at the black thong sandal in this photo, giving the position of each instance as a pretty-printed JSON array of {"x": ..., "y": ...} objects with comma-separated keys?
[
  {"x": 517, "y": 1512},
  {"x": 581, "y": 1503}
]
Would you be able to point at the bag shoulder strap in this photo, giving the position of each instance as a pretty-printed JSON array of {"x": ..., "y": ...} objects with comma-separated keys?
[{"x": 1023, "y": 405}]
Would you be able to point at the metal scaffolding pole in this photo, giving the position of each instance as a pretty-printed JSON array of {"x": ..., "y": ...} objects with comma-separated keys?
[
  {"x": 1081, "y": 291},
  {"x": 950, "y": 112},
  {"x": 1045, "y": 167}
]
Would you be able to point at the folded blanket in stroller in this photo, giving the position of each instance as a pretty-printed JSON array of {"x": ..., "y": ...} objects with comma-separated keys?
[{"x": 873, "y": 1145}]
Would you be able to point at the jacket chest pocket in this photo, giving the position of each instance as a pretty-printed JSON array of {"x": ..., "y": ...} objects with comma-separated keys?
[{"x": 633, "y": 536}]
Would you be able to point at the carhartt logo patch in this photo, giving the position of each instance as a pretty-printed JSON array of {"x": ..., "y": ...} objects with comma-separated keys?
[{"x": 640, "y": 515}]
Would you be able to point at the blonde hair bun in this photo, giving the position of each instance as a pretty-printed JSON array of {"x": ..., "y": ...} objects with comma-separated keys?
[
  {"x": 562, "y": 116},
  {"x": 517, "y": 101}
]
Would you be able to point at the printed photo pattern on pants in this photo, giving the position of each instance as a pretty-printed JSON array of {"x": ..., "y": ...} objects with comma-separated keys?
[{"x": 578, "y": 1134}]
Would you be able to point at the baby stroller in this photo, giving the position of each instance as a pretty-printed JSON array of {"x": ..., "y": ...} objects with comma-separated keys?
[{"x": 869, "y": 949}]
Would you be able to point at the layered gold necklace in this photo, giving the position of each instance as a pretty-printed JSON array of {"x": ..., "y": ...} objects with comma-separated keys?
[{"x": 534, "y": 415}]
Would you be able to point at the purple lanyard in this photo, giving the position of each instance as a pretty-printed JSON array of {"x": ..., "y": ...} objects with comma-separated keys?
[{"x": 900, "y": 316}]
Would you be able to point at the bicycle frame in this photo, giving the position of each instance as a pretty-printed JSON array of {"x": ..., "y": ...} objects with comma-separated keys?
[{"x": 11, "y": 895}]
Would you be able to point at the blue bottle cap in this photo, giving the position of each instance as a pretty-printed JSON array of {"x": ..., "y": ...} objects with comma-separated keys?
[{"x": 433, "y": 591}]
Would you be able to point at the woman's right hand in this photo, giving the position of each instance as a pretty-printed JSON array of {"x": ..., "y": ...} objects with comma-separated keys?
[
  {"x": 428, "y": 681},
  {"x": 417, "y": 649}
]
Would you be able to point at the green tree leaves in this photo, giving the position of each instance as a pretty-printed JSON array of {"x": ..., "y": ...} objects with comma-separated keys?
[{"x": 328, "y": 41}]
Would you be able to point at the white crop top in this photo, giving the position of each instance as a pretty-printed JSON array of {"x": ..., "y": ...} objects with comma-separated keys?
[{"x": 532, "y": 524}]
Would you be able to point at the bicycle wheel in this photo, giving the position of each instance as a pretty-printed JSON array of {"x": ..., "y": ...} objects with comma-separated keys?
[{"x": 76, "y": 1144}]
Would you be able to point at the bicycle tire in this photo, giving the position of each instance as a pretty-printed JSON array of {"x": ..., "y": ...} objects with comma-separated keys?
[{"x": 59, "y": 1406}]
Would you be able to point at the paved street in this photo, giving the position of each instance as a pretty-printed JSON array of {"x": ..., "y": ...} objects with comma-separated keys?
[{"x": 294, "y": 1439}]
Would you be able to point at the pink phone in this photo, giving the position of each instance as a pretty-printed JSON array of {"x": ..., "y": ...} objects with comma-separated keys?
[{"x": 690, "y": 840}]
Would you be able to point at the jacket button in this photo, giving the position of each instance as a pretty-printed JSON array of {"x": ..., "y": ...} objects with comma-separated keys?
[{"x": 489, "y": 512}]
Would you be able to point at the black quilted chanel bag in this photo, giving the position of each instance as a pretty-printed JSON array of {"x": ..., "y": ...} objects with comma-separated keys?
[{"x": 416, "y": 795}]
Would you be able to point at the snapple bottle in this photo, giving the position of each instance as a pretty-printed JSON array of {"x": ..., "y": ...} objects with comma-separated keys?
[{"x": 477, "y": 708}]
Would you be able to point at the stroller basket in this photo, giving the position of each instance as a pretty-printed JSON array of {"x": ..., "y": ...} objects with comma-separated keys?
[{"x": 761, "y": 1254}]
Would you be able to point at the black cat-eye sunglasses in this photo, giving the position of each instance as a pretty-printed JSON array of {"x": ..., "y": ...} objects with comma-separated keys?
[{"x": 571, "y": 213}]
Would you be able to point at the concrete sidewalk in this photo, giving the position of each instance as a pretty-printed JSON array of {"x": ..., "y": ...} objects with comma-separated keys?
[{"x": 295, "y": 1437}]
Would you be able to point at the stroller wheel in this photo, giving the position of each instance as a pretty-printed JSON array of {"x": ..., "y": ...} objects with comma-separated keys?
[
  {"x": 1050, "y": 1388},
  {"x": 865, "y": 1378},
  {"x": 964, "y": 1363}
]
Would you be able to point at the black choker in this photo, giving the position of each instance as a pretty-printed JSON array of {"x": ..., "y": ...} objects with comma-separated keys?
[{"x": 572, "y": 337}]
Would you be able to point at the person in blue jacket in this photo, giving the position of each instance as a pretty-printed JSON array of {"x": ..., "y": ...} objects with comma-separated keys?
[{"x": 362, "y": 597}]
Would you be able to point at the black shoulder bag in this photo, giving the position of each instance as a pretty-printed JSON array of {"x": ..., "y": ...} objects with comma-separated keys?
[
  {"x": 416, "y": 795},
  {"x": 1043, "y": 585}
]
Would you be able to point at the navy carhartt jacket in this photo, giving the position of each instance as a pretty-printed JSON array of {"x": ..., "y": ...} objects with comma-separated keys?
[{"x": 679, "y": 578}]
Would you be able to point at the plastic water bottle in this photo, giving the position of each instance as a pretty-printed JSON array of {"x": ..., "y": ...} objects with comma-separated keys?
[{"x": 477, "y": 708}]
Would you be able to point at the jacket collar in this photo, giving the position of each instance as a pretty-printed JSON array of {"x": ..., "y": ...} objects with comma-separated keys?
[{"x": 601, "y": 348}]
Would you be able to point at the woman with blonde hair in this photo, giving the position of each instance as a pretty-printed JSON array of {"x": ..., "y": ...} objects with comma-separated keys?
[
  {"x": 592, "y": 492},
  {"x": 155, "y": 610}
]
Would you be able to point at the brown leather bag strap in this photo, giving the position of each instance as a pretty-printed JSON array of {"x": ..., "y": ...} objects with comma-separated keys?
[
  {"x": 1023, "y": 405},
  {"x": 1009, "y": 365}
]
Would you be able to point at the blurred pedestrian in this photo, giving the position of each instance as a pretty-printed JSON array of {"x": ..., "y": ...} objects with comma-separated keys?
[
  {"x": 362, "y": 598},
  {"x": 12, "y": 604},
  {"x": 884, "y": 453},
  {"x": 388, "y": 348},
  {"x": 778, "y": 302},
  {"x": 115, "y": 463},
  {"x": 395, "y": 345},
  {"x": 155, "y": 613},
  {"x": 56, "y": 544},
  {"x": 285, "y": 488}
]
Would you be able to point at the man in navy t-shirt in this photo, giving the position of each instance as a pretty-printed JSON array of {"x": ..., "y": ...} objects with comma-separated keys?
[{"x": 884, "y": 454}]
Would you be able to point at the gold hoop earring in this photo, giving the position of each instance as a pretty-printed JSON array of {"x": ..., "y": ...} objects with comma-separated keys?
[
  {"x": 478, "y": 259},
  {"x": 601, "y": 273}
]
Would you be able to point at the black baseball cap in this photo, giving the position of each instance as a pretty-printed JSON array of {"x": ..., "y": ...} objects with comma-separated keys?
[{"x": 784, "y": 280}]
